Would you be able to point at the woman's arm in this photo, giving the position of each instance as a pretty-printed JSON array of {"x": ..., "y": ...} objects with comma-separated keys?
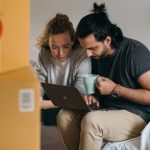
[
  {"x": 47, "y": 104},
  {"x": 84, "y": 67}
]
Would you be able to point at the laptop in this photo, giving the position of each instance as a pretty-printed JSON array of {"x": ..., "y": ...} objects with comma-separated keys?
[{"x": 65, "y": 96}]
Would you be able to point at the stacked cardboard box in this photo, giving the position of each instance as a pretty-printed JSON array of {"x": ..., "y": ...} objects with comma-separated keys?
[{"x": 19, "y": 86}]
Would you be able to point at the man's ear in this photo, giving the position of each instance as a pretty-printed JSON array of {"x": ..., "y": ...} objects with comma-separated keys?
[{"x": 107, "y": 40}]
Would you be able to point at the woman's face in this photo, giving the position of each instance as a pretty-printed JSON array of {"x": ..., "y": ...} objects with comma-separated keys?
[{"x": 60, "y": 45}]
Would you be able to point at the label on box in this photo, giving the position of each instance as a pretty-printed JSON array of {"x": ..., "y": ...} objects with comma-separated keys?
[{"x": 26, "y": 100}]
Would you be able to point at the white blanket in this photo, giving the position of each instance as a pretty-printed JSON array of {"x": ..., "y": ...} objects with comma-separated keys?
[{"x": 140, "y": 143}]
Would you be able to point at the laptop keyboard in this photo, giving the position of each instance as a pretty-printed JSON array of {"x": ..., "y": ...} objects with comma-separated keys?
[{"x": 93, "y": 107}]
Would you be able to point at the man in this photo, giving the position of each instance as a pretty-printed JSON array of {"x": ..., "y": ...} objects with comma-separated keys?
[{"x": 123, "y": 87}]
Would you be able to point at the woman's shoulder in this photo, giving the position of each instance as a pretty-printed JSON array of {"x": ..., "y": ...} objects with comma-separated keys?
[
  {"x": 79, "y": 57},
  {"x": 79, "y": 53},
  {"x": 45, "y": 56}
]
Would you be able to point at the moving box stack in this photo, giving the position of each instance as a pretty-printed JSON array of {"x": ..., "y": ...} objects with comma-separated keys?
[{"x": 19, "y": 86}]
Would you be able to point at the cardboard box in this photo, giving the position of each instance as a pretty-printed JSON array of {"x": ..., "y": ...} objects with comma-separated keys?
[
  {"x": 19, "y": 86},
  {"x": 19, "y": 110},
  {"x": 15, "y": 37}
]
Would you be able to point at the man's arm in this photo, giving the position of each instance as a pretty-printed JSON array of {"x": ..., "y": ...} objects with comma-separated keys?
[{"x": 141, "y": 96}]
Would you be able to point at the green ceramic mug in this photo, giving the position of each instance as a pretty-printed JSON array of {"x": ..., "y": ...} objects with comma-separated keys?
[{"x": 89, "y": 81}]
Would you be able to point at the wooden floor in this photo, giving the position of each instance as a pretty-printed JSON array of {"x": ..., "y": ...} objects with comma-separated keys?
[{"x": 50, "y": 138}]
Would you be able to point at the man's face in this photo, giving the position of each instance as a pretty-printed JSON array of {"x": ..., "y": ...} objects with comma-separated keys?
[{"x": 93, "y": 47}]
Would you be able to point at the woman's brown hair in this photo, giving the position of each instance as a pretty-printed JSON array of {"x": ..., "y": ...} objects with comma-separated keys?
[{"x": 59, "y": 24}]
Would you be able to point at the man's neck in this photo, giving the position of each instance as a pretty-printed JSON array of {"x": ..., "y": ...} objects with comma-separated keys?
[{"x": 109, "y": 52}]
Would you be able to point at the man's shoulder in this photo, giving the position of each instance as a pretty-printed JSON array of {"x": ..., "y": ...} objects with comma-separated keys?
[
  {"x": 132, "y": 46},
  {"x": 132, "y": 42}
]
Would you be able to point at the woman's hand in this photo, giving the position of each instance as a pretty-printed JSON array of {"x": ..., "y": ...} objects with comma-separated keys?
[
  {"x": 91, "y": 100},
  {"x": 46, "y": 104}
]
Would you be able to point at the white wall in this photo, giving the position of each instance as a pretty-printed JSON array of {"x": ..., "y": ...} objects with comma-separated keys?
[{"x": 131, "y": 15}]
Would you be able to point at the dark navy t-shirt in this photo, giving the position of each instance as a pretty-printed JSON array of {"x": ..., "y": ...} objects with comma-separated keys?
[{"x": 127, "y": 63}]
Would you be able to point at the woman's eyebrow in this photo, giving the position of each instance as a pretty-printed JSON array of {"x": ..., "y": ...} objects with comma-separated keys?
[{"x": 66, "y": 44}]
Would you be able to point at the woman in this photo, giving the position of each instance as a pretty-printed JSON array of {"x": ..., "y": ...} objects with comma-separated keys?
[{"x": 61, "y": 59}]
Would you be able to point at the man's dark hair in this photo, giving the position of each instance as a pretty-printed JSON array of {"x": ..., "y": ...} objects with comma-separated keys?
[{"x": 98, "y": 23}]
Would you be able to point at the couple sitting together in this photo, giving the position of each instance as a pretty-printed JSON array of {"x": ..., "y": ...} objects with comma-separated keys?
[{"x": 99, "y": 47}]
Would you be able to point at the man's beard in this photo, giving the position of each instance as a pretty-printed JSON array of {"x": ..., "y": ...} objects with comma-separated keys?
[
  {"x": 106, "y": 50},
  {"x": 96, "y": 57}
]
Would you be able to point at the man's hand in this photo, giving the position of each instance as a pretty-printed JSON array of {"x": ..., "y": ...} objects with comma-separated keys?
[
  {"x": 91, "y": 100},
  {"x": 104, "y": 85}
]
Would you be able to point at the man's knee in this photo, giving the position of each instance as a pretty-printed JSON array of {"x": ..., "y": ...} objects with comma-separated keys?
[
  {"x": 88, "y": 121},
  {"x": 92, "y": 122},
  {"x": 91, "y": 128}
]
